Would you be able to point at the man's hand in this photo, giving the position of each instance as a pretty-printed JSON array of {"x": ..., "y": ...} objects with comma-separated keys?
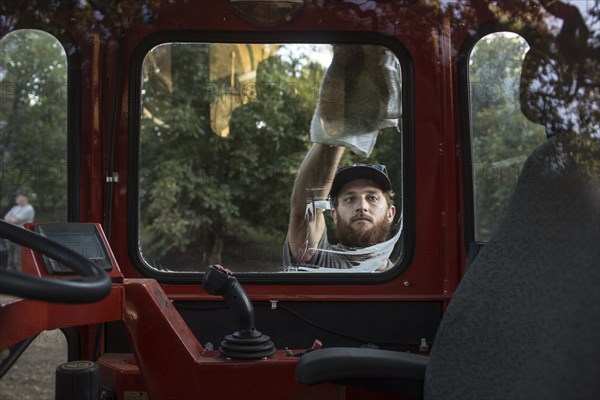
[{"x": 360, "y": 95}]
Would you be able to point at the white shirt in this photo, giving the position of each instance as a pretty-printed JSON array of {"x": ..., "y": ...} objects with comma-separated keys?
[{"x": 24, "y": 213}]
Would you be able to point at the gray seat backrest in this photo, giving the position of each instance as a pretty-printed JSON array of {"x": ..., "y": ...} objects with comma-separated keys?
[{"x": 525, "y": 320}]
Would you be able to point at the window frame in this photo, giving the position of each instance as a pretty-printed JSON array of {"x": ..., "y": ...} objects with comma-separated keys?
[
  {"x": 472, "y": 247},
  {"x": 134, "y": 135}
]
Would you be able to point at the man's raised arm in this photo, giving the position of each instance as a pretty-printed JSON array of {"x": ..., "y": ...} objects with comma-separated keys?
[{"x": 313, "y": 181}]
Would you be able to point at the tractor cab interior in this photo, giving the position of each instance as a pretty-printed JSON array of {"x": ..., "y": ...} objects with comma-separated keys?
[{"x": 301, "y": 199}]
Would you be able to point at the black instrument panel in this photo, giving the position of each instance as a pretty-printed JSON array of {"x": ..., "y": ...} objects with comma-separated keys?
[{"x": 83, "y": 238}]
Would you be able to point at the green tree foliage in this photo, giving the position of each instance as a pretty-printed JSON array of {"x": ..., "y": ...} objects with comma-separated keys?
[
  {"x": 269, "y": 140},
  {"x": 33, "y": 121},
  {"x": 203, "y": 194}
]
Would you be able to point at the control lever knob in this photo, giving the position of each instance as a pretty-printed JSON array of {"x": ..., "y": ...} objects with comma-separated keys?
[
  {"x": 219, "y": 281},
  {"x": 247, "y": 342}
]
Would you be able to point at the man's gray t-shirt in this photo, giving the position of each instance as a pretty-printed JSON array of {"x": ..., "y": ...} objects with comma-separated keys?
[{"x": 329, "y": 257}]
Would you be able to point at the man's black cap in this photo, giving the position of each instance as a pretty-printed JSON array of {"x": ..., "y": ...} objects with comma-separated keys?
[
  {"x": 21, "y": 192},
  {"x": 375, "y": 172}
]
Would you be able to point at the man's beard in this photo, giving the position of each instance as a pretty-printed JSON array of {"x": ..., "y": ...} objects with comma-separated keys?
[{"x": 351, "y": 237}]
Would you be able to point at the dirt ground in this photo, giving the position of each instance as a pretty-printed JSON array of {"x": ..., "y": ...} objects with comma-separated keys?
[{"x": 32, "y": 376}]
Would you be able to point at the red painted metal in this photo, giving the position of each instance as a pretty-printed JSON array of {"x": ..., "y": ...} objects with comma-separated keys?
[
  {"x": 173, "y": 364},
  {"x": 213, "y": 377},
  {"x": 120, "y": 373},
  {"x": 22, "y": 318},
  {"x": 439, "y": 241}
]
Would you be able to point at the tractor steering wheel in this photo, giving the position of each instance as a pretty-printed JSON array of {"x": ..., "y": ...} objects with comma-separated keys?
[{"x": 94, "y": 284}]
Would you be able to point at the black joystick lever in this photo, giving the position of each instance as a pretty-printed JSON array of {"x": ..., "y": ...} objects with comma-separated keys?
[{"x": 247, "y": 342}]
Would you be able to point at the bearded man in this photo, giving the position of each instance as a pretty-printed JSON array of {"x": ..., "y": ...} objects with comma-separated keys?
[{"x": 362, "y": 209}]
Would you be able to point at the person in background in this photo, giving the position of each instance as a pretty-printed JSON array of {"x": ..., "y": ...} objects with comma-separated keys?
[{"x": 20, "y": 214}]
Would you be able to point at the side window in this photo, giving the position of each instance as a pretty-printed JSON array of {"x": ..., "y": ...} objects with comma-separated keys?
[
  {"x": 33, "y": 125},
  {"x": 224, "y": 128},
  {"x": 501, "y": 136}
]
